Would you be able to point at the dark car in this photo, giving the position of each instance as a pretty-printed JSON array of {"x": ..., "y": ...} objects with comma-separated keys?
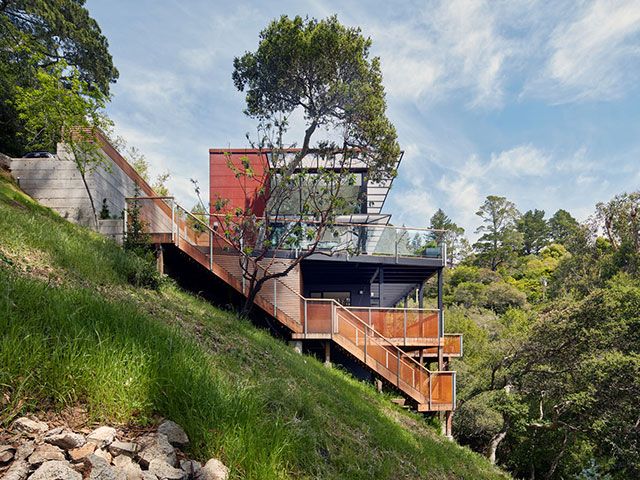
[{"x": 39, "y": 155}]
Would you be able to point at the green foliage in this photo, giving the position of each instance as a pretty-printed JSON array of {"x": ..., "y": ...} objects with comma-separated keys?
[
  {"x": 501, "y": 296},
  {"x": 40, "y": 35},
  {"x": 534, "y": 230},
  {"x": 500, "y": 241},
  {"x": 323, "y": 68},
  {"x": 59, "y": 103},
  {"x": 563, "y": 227}
]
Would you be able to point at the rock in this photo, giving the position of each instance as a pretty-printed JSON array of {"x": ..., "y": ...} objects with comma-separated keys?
[
  {"x": 24, "y": 450},
  {"x": 155, "y": 446},
  {"x": 79, "y": 453},
  {"x": 147, "y": 475},
  {"x": 18, "y": 470},
  {"x": 30, "y": 427},
  {"x": 175, "y": 434},
  {"x": 122, "y": 461},
  {"x": 100, "y": 469},
  {"x": 119, "y": 448},
  {"x": 129, "y": 468},
  {"x": 102, "y": 436},
  {"x": 104, "y": 454},
  {"x": 191, "y": 468},
  {"x": 55, "y": 470},
  {"x": 55, "y": 431},
  {"x": 6, "y": 453},
  {"x": 45, "y": 453},
  {"x": 66, "y": 440},
  {"x": 214, "y": 469},
  {"x": 164, "y": 471}
]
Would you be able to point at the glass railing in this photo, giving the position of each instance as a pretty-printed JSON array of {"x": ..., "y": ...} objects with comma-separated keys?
[{"x": 356, "y": 239}]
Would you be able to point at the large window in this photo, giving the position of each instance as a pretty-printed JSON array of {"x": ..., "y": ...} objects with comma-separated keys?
[{"x": 292, "y": 199}]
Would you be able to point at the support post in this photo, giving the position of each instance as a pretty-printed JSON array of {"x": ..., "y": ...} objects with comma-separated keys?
[
  {"x": 306, "y": 310},
  {"x": 421, "y": 295},
  {"x": 297, "y": 345},
  {"x": 173, "y": 220},
  {"x": 447, "y": 424},
  {"x": 160, "y": 258},
  {"x": 210, "y": 250},
  {"x": 327, "y": 354},
  {"x": 381, "y": 283},
  {"x": 378, "y": 383},
  {"x": 440, "y": 319}
]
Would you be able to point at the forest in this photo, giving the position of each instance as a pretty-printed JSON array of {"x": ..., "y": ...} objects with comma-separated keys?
[{"x": 550, "y": 379}]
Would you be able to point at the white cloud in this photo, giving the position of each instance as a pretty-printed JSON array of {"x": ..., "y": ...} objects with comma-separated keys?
[
  {"x": 446, "y": 47},
  {"x": 590, "y": 56},
  {"x": 417, "y": 204},
  {"x": 524, "y": 160}
]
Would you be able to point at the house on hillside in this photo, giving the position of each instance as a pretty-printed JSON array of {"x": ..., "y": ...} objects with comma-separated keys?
[{"x": 353, "y": 291}]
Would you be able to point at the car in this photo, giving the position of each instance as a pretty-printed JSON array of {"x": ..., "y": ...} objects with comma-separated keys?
[{"x": 39, "y": 155}]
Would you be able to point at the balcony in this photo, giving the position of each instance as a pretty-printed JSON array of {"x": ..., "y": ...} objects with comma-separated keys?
[{"x": 358, "y": 239}]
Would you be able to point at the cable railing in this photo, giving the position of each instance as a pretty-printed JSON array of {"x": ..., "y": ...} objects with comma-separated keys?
[{"x": 167, "y": 221}]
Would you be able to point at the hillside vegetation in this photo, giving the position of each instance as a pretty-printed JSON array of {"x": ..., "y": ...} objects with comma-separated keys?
[
  {"x": 550, "y": 378},
  {"x": 78, "y": 328}
]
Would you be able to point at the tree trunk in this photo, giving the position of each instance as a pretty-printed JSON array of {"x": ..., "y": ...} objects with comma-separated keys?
[
  {"x": 556, "y": 460},
  {"x": 93, "y": 206},
  {"x": 493, "y": 445}
]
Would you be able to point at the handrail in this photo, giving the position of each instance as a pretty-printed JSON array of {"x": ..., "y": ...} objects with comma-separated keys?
[
  {"x": 401, "y": 355},
  {"x": 409, "y": 309}
]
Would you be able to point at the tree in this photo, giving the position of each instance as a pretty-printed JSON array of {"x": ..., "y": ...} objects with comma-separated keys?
[
  {"x": 39, "y": 34},
  {"x": 534, "y": 230},
  {"x": 323, "y": 70},
  {"x": 562, "y": 227},
  {"x": 63, "y": 107},
  {"x": 457, "y": 245},
  {"x": 619, "y": 218},
  {"x": 500, "y": 239}
]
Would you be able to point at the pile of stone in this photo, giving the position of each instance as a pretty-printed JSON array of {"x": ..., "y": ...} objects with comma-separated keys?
[{"x": 31, "y": 450}]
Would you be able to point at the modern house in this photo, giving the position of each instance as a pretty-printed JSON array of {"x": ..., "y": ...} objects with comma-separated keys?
[{"x": 349, "y": 297}]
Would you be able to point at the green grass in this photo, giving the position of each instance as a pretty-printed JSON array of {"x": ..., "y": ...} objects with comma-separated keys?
[{"x": 75, "y": 329}]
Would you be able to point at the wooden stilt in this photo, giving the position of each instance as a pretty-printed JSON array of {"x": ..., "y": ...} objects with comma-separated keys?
[
  {"x": 327, "y": 354},
  {"x": 160, "y": 258}
]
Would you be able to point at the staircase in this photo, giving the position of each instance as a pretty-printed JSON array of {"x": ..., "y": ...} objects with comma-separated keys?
[{"x": 353, "y": 329}]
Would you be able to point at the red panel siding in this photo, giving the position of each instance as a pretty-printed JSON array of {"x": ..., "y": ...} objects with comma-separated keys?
[{"x": 240, "y": 192}]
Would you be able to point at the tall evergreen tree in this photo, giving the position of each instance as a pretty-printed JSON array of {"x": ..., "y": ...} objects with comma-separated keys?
[
  {"x": 456, "y": 244},
  {"x": 535, "y": 231},
  {"x": 562, "y": 227},
  {"x": 500, "y": 240}
]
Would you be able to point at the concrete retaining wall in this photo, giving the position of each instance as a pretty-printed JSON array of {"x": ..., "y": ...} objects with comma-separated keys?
[{"x": 57, "y": 183}]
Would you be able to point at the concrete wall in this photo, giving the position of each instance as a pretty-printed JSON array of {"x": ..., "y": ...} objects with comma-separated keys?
[{"x": 57, "y": 183}]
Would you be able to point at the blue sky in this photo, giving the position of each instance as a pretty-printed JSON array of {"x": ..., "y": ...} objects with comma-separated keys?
[{"x": 536, "y": 101}]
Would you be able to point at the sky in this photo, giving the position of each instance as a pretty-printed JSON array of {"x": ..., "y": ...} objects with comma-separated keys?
[{"x": 537, "y": 101}]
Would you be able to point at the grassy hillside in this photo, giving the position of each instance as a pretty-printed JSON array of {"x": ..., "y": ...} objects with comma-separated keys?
[{"x": 75, "y": 329}]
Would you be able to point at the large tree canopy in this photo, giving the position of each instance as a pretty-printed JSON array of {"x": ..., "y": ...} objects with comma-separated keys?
[
  {"x": 37, "y": 35},
  {"x": 323, "y": 68}
]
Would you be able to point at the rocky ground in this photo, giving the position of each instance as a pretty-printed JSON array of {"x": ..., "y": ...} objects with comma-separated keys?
[{"x": 37, "y": 450}]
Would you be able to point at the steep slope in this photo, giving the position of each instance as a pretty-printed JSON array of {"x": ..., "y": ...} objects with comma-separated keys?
[{"x": 79, "y": 325}]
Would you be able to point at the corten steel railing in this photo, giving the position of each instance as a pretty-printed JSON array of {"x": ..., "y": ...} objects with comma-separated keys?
[
  {"x": 168, "y": 222},
  {"x": 405, "y": 323},
  {"x": 452, "y": 344}
]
